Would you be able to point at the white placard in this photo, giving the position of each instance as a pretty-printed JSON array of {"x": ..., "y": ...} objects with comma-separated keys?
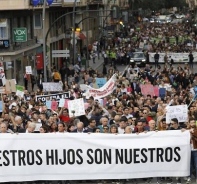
[
  {"x": 52, "y": 86},
  {"x": 94, "y": 156},
  {"x": 179, "y": 111},
  {"x": 141, "y": 45},
  {"x": 76, "y": 107},
  {"x": 28, "y": 70},
  {"x": 20, "y": 93},
  {"x": 2, "y": 75},
  {"x": 61, "y": 102}
]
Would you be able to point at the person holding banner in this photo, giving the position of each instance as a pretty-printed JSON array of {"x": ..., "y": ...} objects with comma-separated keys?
[
  {"x": 156, "y": 58},
  {"x": 191, "y": 60},
  {"x": 193, "y": 167},
  {"x": 91, "y": 126},
  {"x": 61, "y": 128},
  {"x": 4, "y": 128}
]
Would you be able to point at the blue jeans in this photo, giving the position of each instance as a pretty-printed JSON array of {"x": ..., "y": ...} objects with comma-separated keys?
[{"x": 193, "y": 164}]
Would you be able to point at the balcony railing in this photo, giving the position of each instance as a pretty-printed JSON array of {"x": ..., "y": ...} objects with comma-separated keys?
[
  {"x": 70, "y": 3},
  {"x": 15, "y": 46},
  {"x": 95, "y": 2},
  {"x": 55, "y": 3}
]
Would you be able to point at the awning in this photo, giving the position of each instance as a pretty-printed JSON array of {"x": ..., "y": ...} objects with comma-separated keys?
[{"x": 81, "y": 36}]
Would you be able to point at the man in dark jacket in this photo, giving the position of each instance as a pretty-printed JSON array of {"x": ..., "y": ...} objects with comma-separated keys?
[{"x": 156, "y": 58}]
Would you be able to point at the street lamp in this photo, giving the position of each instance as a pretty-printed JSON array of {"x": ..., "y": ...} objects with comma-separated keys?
[
  {"x": 45, "y": 36},
  {"x": 44, "y": 41},
  {"x": 74, "y": 41}
]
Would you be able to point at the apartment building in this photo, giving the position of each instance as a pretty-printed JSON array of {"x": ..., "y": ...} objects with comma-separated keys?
[
  {"x": 21, "y": 31},
  {"x": 192, "y": 3}
]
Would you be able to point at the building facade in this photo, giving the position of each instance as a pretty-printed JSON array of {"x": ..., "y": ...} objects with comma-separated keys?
[{"x": 21, "y": 31}]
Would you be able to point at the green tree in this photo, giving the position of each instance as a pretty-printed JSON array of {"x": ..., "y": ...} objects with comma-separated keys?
[
  {"x": 155, "y": 4},
  {"x": 135, "y": 4},
  {"x": 175, "y": 3}
]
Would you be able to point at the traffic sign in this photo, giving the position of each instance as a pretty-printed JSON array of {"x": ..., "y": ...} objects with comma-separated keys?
[
  {"x": 72, "y": 41},
  {"x": 61, "y": 53}
]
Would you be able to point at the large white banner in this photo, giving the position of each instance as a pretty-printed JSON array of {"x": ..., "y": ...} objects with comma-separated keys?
[
  {"x": 67, "y": 156},
  {"x": 52, "y": 86},
  {"x": 102, "y": 92},
  {"x": 177, "y": 57},
  {"x": 57, "y": 97}
]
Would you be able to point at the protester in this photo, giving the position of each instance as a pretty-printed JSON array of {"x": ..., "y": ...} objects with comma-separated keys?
[
  {"x": 136, "y": 103},
  {"x": 156, "y": 57}
]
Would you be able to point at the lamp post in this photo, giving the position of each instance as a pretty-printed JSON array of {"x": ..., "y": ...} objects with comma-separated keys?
[
  {"x": 87, "y": 29},
  {"x": 74, "y": 41},
  {"x": 44, "y": 41},
  {"x": 45, "y": 36}
]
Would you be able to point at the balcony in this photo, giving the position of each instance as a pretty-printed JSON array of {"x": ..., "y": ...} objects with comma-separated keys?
[
  {"x": 16, "y": 46},
  {"x": 14, "y": 5},
  {"x": 55, "y": 3},
  {"x": 95, "y": 1},
  {"x": 70, "y": 3}
]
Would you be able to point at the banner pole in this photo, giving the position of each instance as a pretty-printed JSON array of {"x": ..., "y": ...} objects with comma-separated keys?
[{"x": 191, "y": 102}]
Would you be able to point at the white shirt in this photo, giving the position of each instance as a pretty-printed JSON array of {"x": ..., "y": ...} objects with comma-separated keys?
[{"x": 120, "y": 130}]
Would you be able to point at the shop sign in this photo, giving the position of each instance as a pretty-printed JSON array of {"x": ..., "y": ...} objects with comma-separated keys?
[
  {"x": 20, "y": 34},
  {"x": 4, "y": 43}
]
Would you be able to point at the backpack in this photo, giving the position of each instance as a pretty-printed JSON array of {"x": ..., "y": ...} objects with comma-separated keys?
[{"x": 56, "y": 76}]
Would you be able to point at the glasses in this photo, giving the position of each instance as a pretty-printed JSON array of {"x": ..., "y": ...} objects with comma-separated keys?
[
  {"x": 106, "y": 128},
  {"x": 98, "y": 131}
]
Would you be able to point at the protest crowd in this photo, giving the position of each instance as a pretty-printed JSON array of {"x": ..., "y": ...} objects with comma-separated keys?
[{"x": 138, "y": 102}]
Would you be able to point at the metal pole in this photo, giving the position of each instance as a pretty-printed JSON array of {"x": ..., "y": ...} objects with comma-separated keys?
[
  {"x": 87, "y": 29},
  {"x": 64, "y": 16},
  {"x": 44, "y": 40},
  {"x": 45, "y": 36},
  {"x": 74, "y": 43}
]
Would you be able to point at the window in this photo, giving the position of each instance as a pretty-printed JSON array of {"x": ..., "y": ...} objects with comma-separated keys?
[
  {"x": 3, "y": 29},
  {"x": 38, "y": 21}
]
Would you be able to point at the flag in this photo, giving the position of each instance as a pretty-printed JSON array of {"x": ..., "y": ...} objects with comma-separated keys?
[
  {"x": 35, "y": 2},
  {"x": 49, "y": 2}
]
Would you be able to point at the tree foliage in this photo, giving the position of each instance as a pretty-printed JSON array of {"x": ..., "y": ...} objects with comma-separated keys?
[{"x": 156, "y": 4}]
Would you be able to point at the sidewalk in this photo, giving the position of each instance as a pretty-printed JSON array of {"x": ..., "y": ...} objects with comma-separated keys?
[{"x": 95, "y": 66}]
